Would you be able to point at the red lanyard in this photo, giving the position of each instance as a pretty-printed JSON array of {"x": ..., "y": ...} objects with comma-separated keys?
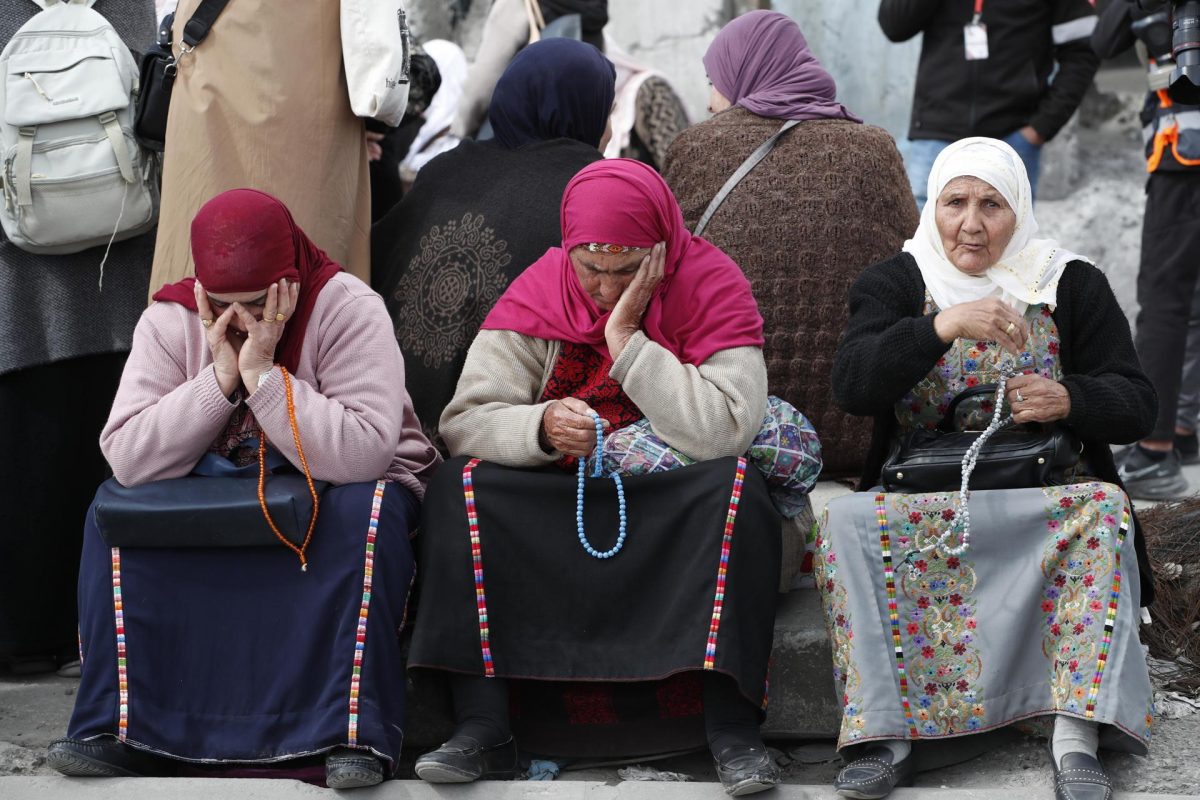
[{"x": 978, "y": 12}]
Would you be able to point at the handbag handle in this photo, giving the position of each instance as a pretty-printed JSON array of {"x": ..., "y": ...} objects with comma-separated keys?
[
  {"x": 947, "y": 423},
  {"x": 201, "y": 22},
  {"x": 536, "y": 21},
  {"x": 262, "y": 476}
]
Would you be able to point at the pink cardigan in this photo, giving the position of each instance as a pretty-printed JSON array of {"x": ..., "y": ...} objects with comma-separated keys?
[{"x": 355, "y": 417}]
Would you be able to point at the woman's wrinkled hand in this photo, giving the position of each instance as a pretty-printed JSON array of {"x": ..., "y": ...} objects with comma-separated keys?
[
  {"x": 1033, "y": 398},
  {"x": 987, "y": 320},
  {"x": 262, "y": 336},
  {"x": 223, "y": 346},
  {"x": 626, "y": 317},
  {"x": 567, "y": 427}
]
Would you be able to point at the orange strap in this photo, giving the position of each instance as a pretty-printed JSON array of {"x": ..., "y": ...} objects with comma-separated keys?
[
  {"x": 262, "y": 476},
  {"x": 1163, "y": 138}
]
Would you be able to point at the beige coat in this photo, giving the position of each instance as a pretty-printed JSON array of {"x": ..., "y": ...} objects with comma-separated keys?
[
  {"x": 710, "y": 411},
  {"x": 262, "y": 103}
]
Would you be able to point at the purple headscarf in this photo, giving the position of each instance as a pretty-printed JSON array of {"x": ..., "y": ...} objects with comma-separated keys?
[{"x": 761, "y": 62}]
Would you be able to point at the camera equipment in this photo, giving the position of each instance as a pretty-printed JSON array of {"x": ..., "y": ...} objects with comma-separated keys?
[
  {"x": 1184, "y": 83},
  {"x": 1154, "y": 38}
]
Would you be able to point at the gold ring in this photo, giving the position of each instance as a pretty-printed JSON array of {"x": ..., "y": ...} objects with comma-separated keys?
[
  {"x": 207, "y": 323},
  {"x": 280, "y": 317},
  {"x": 1010, "y": 329}
]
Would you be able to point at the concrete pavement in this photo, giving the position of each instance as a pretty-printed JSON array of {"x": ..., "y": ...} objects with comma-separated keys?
[{"x": 51, "y": 788}]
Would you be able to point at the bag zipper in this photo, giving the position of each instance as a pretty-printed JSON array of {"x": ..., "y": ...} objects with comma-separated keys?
[
  {"x": 29, "y": 77},
  {"x": 72, "y": 34}
]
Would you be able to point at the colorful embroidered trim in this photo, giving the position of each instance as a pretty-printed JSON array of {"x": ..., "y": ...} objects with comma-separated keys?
[
  {"x": 710, "y": 651},
  {"x": 889, "y": 577},
  {"x": 1110, "y": 620},
  {"x": 119, "y": 619},
  {"x": 613, "y": 249},
  {"x": 360, "y": 636},
  {"x": 485, "y": 645}
]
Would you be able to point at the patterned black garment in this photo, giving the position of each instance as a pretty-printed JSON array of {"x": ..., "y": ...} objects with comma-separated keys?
[
  {"x": 660, "y": 118},
  {"x": 603, "y": 656},
  {"x": 476, "y": 217}
]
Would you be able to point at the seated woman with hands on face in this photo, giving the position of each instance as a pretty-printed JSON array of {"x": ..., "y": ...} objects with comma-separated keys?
[
  {"x": 633, "y": 610},
  {"x": 199, "y": 642}
]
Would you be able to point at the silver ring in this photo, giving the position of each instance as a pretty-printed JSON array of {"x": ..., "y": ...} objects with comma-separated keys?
[{"x": 1020, "y": 399}]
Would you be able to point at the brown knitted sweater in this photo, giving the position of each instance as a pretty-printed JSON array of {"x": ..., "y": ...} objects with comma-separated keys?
[{"x": 831, "y": 199}]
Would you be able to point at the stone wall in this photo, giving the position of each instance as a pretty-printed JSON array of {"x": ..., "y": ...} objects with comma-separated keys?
[{"x": 874, "y": 76}]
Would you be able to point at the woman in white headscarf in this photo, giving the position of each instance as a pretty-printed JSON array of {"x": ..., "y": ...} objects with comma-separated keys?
[{"x": 1033, "y": 613}]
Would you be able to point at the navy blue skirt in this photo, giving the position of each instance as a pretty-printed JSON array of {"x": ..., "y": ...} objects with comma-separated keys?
[{"x": 235, "y": 655}]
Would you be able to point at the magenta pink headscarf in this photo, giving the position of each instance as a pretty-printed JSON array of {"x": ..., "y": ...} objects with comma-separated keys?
[
  {"x": 761, "y": 62},
  {"x": 703, "y": 304}
]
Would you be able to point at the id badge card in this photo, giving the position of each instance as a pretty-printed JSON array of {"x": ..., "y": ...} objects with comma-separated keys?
[{"x": 975, "y": 41}]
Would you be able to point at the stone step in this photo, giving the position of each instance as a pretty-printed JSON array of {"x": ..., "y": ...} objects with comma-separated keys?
[
  {"x": 57, "y": 788},
  {"x": 802, "y": 699}
]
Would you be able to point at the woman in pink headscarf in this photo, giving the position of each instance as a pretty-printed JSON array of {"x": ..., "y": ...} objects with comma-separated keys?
[
  {"x": 830, "y": 199},
  {"x": 639, "y": 603}
]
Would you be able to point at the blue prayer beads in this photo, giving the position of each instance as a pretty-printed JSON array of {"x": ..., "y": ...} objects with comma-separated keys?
[{"x": 597, "y": 473}]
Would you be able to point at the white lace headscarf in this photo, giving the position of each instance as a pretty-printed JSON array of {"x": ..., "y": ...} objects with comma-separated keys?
[{"x": 1028, "y": 270}]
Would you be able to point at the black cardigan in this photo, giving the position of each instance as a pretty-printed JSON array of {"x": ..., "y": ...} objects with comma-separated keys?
[{"x": 890, "y": 345}]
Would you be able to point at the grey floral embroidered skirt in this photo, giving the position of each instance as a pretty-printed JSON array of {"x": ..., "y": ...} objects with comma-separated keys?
[{"x": 1038, "y": 617}]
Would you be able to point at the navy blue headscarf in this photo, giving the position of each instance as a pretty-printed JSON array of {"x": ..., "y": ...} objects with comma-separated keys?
[{"x": 553, "y": 89}]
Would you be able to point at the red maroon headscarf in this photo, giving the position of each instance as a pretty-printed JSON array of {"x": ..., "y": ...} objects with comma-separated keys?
[
  {"x": 703, "y": 304},
  {"x": 243, "y": 241}
]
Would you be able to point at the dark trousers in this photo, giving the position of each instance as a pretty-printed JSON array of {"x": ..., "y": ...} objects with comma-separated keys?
[
  {"x": 1166, "y": 284},
  {"x": 50, "y": 421}
]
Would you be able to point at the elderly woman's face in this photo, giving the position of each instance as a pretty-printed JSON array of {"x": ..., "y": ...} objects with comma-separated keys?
[
  {"x": 975, "y": 223},
  {"x": 254, "y": 302},
  {"x": 605, "y": 276}
]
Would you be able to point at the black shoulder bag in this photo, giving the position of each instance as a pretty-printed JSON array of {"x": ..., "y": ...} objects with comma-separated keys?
[{"x": 158, "y": 70}]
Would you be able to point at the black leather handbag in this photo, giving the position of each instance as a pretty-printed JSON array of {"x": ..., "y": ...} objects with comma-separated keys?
[
  {"x": 158, "y": 70},
  {"x": 1012, "y": 458},
  {"x": 216, "y": 506},
  {"x": 219, "y": 504}
]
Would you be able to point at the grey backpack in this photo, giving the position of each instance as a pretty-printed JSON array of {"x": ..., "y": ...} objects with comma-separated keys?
[{"x": 73, "y": 174}]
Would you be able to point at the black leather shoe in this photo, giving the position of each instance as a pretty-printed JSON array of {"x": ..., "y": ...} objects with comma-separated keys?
[
  {"x": 100, "y": 758},
  {"x": 462, "y": 760},
  {"x": 349, "y": 769},
  {"x": 745, "y": 770},
  {"x": 873, "y": 776},
  {"x": 1081, "y": 777}
]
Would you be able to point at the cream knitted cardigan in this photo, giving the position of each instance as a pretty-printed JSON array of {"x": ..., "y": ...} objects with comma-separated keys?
[
  {"x": 711, "y": 411},
  {"x": 355, "y": 418}
]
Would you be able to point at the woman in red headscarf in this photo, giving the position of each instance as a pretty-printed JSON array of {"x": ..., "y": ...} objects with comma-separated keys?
[
  {"x": 639, "y": 604},
  {"x": 254, "y": 654}
]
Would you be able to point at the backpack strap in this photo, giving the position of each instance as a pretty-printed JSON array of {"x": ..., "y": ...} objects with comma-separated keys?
[
  {"x": 112, "y": 127},
  {"x": 741, "y": 172},
  {"x": 23, "y": 165},
  {"x": 47, "y": 3},
  {"x": 201, "y": 22}
]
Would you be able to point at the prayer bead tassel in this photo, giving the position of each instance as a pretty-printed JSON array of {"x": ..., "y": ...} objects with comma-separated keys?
[
  {"x": 962, "y": 512},
  {"x": 597, "y": 472}
]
